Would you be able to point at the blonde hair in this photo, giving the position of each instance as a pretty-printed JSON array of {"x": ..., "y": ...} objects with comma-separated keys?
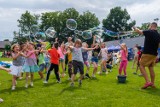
[
  {"x": 12, "y": 47},
  {"x": 125, "y": 46}
]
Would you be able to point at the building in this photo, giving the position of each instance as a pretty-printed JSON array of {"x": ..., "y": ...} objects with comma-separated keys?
[{"x": 3, "y": 44}]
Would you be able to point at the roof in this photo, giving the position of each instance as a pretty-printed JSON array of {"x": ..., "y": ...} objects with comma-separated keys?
[{"x": 3, "y": 43}]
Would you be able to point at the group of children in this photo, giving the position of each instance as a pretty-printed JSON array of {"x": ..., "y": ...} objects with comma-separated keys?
[{"x": 28, "y": 59}]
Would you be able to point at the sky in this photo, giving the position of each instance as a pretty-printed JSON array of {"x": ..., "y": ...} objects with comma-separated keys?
[{"x": 142, "y": 11}]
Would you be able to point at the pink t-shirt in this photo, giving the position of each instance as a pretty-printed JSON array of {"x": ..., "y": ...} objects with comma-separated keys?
[
  {"x": 123, "y": 55},
  {"x": 61, "y": 53},
  {"x": 33, "y": 56}
]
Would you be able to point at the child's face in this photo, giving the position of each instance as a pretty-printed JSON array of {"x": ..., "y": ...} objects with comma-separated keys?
[
  {"x": 77, "y": 45},
  {"x": 31, "y": 47},
  {"x": 16, "y": 48}
]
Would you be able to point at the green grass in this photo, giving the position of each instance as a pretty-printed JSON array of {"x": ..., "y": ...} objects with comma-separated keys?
[{"x": 101, "y": 92}]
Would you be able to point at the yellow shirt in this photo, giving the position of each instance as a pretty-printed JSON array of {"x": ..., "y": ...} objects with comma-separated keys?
[{"x": 69, "y": 56}]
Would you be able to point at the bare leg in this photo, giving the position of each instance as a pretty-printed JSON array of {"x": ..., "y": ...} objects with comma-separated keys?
[
  {"x": 143, "y": 71},
  {"x": 152, "y": 74}
]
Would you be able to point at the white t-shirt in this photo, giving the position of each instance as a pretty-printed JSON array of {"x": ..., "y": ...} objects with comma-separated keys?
[{"x": 104, "y": 52}]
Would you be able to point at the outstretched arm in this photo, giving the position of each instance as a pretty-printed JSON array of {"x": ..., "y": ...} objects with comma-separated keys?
[
  {"x": 138, "y": 30},
  {"x": 6, "y": 69}
]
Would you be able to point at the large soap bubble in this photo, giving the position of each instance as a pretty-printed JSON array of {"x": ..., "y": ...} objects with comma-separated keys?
[
  {"x": 87, "y": 34},
  {"x": 40, "y": 36},
  {"x": 34, "y": 29},
  {"x": 71, "y": 24},
  {"x": 50, "y": 32}
]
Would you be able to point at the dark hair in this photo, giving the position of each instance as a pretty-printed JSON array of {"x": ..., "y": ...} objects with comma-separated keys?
[
  {"x": 56, "y": 45},
  {"x": 139, "y": 47},
  {"x": 154, "y": 23}
]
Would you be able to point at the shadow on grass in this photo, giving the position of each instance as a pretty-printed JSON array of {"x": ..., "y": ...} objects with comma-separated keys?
[
  {"x": 49, "y": 84},
  {"x": 16, "y": 90},
  {"x": 71, "y": 89},
  {"x": 152, "y": 91}
]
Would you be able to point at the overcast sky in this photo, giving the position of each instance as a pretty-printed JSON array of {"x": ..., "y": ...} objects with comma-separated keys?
[{"x": 10, "y": 10}]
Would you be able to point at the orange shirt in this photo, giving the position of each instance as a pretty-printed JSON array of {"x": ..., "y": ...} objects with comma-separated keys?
[{"x": 54, "y": 56}]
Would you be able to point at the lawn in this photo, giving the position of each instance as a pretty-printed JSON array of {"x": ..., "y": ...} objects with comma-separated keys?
[{"x": 101, "y": 92}]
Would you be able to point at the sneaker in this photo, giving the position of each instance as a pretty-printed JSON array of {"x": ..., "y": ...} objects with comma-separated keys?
[
  {"x": 20, "y": 78},
  {"x": 26, "y": 85},
  {"x": 87, "y": 75},
  {"x": 153, "y": 86},
  {"x": 58, "y": 81},
  {"x": 106, "y": 72},
  {"x": 72, "y": 84},
  {"x": 80, "y": 82},
  {"x": 31, "y": 84},
  {"x": 45, "y": 82},
  {"x": 135, "y": 73},
  {"x": 140, "y": 75},
  {"x": 1, "y": 100},
  {"x": 13, "y": 87},
  {"x": 99, "y": 73},
  {"x": 146, "y": 85}
]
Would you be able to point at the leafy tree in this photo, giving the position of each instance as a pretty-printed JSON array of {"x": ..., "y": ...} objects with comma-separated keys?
[
  {"x": 87, "y": 20},
  {"x": 118, "y": 20},
  {"x": 26, "y": 21}
]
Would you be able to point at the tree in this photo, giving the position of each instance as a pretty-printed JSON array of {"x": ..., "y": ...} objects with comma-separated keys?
[
  {"x": 118, "y": 20},
  {"x": 26, "y": 21},
  {"x": 87, "y": 20}
]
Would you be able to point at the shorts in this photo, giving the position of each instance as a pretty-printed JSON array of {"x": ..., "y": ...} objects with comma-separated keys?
[
  {"x": 33, "y": 68},
  {"x": 148, "y": 60},
  {"x": 94, "y": 59},
  {"x": 47, "y": 64},
  {"x": 61, "y": 60},
  {"x": 104, "y": 58},
  {"x": 78, "y": 66},
  {"x": 41, "y": 67},
  {"x": 87, "y": 63},
  {"x": 16, "y": 70}
]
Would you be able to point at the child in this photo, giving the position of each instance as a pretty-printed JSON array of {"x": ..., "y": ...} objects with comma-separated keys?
[
  {"x": 54, "y": 60},
  {"x": 103, "y": 53},
  {"x": 94, "y": 59},
  {"x": 5, "y": 69},
  {"x": 70, "y": 66},
  {"x": 123, "y": 56},
  {"x": 41, "y": 63},
  {"x": 47, "y": 61},
  {"x": 23, "y": 50},
  {"x": 62, "y": 52},
  {"x": 139, "y": 53},
  {"x": 85, "y": 59},
  {"x": 30, "y": 65},
  {"x": 77, "y": 60},
  {"x": 17, "y": 63}
]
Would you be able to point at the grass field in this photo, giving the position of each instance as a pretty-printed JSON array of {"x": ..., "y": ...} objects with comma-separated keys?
[{"x": 101, "y": 92}]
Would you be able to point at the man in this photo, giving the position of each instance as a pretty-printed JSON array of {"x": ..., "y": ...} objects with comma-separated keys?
[{"x": 151, "y": 42}]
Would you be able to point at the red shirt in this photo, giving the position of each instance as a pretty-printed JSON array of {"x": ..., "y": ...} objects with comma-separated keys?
[
  {"x": 54, "y": 56},
  {"x": 139, "y": 55}
]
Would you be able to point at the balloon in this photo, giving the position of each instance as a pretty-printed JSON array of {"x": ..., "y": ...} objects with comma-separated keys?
[
  {"x": 87, "y": 34},
  {"x": 34, "y": 29},
  {"x": 50, "y": 32},
  {"x": 40, "y": 36},
  {"x": 71, "y": 24}
]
